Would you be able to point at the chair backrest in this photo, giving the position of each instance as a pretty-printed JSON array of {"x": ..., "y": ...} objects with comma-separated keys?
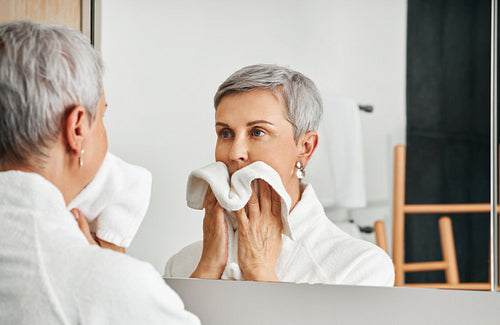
[{"x": 400, "y": 209}]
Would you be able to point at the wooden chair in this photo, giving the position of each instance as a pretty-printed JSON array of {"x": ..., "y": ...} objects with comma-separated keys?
[{"x": 400, "y": 209}]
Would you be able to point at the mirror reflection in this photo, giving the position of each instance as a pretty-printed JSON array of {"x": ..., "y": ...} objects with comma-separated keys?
[
  {"x": 448, "y": 129},
  {"x": 266, "y": 121},
  {"x": 170, "y": 59}
]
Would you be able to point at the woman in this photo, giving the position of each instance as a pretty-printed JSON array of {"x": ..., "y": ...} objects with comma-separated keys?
[
  {"x": 270, "y": 113},
  {"x": 52, "y": 142}
]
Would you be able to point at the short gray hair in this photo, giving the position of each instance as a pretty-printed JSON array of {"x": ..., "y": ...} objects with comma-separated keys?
[
  {"x": 296, "y": 92},
  {"x": 44, "y": 72}
]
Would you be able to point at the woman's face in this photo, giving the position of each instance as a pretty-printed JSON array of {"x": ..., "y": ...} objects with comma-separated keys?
[{"x": 251, "y": 126}]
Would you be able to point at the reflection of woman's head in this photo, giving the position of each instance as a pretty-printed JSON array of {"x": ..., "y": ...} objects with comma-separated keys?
[
  {"x": 45, "y": 71},
  {"x": 51, "y": 105},
  {"x": 297, "y": 93},
  {"x": 268, "y": 113}
]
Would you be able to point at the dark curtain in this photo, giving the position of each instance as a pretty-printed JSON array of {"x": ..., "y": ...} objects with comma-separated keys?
[{"x": 448, "y": 71}]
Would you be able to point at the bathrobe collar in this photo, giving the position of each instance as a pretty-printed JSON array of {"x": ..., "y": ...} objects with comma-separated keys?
[
  {"x": 29, "y": 190},
  {"x": 306, "y": 213}
]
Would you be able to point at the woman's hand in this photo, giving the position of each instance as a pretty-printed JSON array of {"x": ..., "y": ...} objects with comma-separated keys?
[
  {"x": 259, "y": 235},
  {"x": 84, "y": 227},
  {"x": 215, "y": 240},
  {"x": 108, "y": 245}
]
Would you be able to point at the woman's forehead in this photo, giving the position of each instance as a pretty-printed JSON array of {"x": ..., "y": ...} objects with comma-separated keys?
[{"x": 255, "y": 104}]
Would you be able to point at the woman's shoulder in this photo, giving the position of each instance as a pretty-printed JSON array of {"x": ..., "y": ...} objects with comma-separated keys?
[
  {"x": 185, "y": 261},
  {"x": 117, "y": 281},
  {"x": 346, "y": 259}
]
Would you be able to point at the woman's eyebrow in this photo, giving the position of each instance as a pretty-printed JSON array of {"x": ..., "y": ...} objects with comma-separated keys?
[
  {"x": 258, "y": 122},
  {"x": 248, "y": 124}
]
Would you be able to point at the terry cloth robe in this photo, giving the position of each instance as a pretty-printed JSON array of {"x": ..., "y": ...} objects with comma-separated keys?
[
  {"x": 320, "y": 252},
  {"x": 50, "y": 274}
]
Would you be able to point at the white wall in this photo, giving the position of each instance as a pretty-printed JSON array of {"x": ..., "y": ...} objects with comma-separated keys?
[{"x": 165, "y": 59}]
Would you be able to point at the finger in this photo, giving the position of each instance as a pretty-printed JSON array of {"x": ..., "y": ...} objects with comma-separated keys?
[
  {"x": 264, "y": 195},
  {"x": 242, "y": 218},
  {"x": 108, "y": 245},
  {"x": 219, "y": 213},
  {"x": 275, "y": 204},
  {"x": 210, "y": 198},
  {"x": 253, "y": 203},
  {"x": 214, "y": 222},
  {"x": 83, "y": 225}
]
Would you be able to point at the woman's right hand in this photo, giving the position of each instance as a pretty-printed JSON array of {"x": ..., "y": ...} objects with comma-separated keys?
[
  {"x": 215, "y": 240},
  {"x": 93, "y": 240}
]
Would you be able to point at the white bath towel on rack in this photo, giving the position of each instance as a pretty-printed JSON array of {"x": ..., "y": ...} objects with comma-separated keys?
[{"x": 336, "y": 169}]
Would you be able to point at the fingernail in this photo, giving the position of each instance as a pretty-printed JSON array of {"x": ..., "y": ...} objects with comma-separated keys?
[{"x": 75, "y": 214}]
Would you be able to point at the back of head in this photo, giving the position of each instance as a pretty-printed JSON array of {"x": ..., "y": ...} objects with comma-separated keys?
[
  {"x": 44, "y": 72},
  {"x": 296, "y": 92}
]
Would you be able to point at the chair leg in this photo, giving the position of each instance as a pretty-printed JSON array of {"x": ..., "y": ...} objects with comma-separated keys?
[
  {"x": 448, "y": 248},
  {"x": 380, "y": 235},
  {"x": 398, "y": 213}
]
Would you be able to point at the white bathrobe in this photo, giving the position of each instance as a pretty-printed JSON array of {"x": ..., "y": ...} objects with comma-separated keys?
[
  {"x": 320, "y": 253},
  {"x": 50, "y": 274}
]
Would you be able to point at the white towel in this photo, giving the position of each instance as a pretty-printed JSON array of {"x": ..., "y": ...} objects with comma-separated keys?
[
  {"x": 232, "y": 270},
  {"x": 233, "y": 194},
  {"x": 336, "y": 169},
  {"x": 116, "y": 200}
]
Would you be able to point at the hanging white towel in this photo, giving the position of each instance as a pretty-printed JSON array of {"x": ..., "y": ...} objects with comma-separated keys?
[
  {"x": 336, "y": 169},
  {"x": 116, "y": 200},
  {"x": 233, "y": 193}
]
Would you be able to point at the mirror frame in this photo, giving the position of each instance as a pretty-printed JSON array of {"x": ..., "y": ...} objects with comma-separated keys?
[{"x": 494, "y": 150}]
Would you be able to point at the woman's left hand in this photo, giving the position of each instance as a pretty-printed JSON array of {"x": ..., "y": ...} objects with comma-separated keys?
[{"x": 259, "y": 235}]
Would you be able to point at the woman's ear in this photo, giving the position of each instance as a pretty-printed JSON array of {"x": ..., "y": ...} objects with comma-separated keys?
[
  {"x": 76, "y": 128},
  {"x": 307, "y": 144}
]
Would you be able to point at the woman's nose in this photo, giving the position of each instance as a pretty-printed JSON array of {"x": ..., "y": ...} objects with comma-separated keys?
[{"x": 238, "y": 150}]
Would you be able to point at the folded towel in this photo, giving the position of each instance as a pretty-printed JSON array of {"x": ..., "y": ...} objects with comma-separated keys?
[
  {"x": 336, "y": 169},
  {"x": 115, "y": 201},
  {"x": 233, "y": 194}
]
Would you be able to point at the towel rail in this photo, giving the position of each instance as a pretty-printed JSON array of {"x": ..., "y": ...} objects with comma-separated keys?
[{"x": 366, "y": 108}]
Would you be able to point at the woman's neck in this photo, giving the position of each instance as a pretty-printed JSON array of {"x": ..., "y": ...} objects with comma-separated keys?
[
  {"x": 295, "y": 192},
  {"x": 53, "y": 168}
]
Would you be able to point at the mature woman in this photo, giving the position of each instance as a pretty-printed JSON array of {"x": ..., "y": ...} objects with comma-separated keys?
[
  {"x": 52, "y": 142},
  {"x": 270, "y": 113}
]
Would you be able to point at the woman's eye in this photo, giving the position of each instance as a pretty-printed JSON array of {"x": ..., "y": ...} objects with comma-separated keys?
[
  {"x": 225, "y": 134},
  {"x": 258, "y": 133}
]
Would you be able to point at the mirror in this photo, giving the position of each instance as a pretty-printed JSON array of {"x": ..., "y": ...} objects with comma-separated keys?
[{"x": 165, "y": 59}]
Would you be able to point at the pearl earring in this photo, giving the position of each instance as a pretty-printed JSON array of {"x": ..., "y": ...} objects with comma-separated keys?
[
  {"x": 301, "y": 173},
  {"x": 81, "y": 158}
]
